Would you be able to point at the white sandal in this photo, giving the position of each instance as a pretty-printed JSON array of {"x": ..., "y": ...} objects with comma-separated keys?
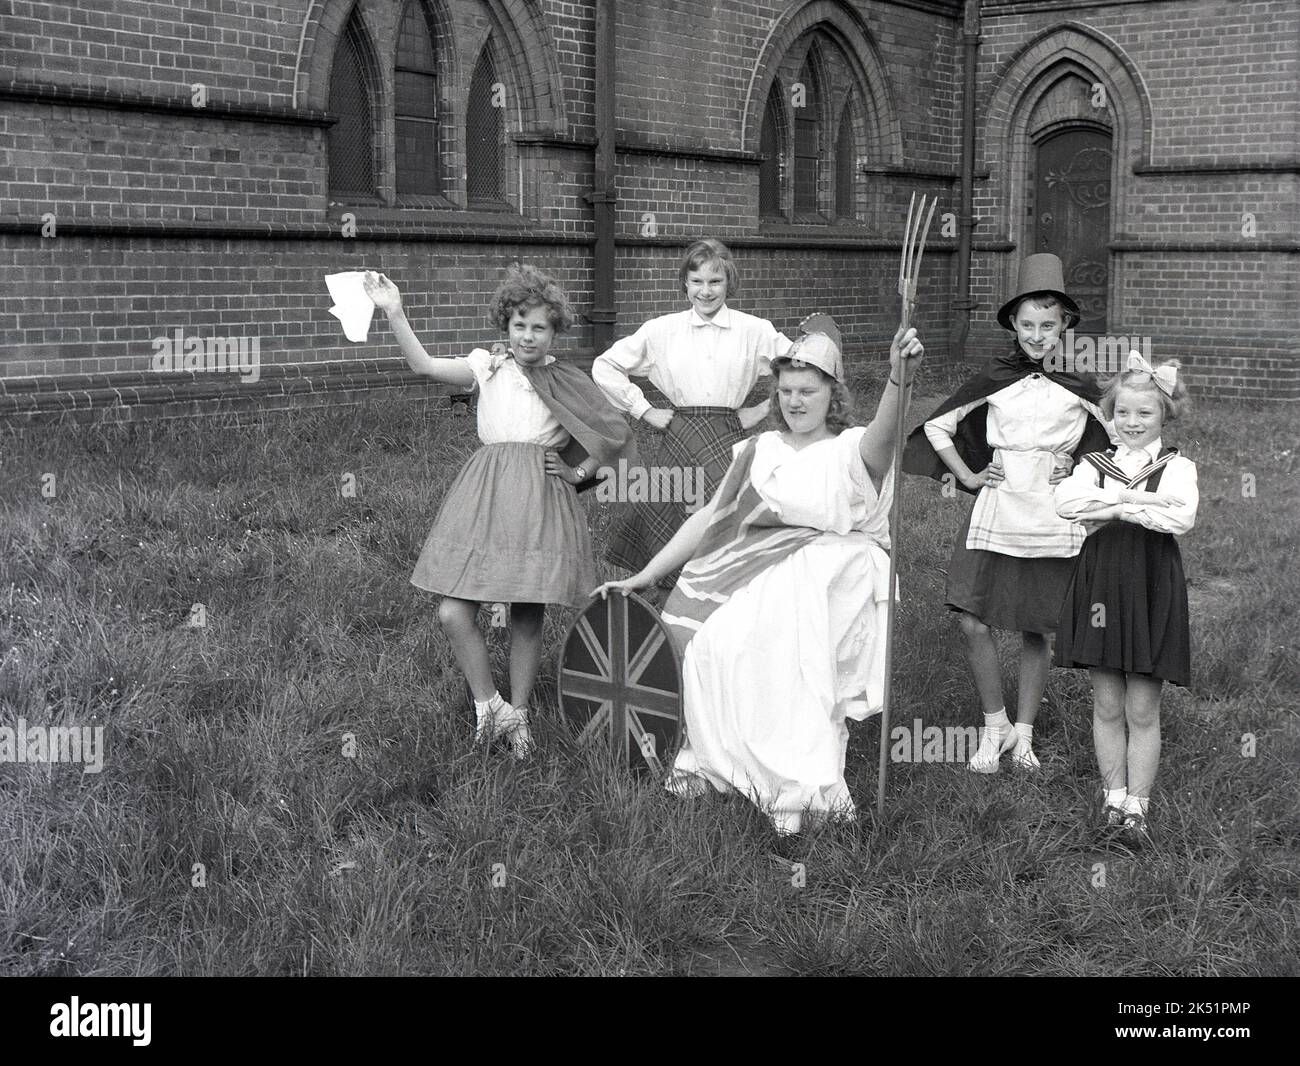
[
  {"x": 985, "y": 759},
  {"x": 1024, "y": 757},
  {"x": 499, "y": 719},
  {"x": 515, "y": 726}
]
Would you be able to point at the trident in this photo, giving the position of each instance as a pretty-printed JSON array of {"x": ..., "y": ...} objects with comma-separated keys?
[{"x": 909, "y": 270}]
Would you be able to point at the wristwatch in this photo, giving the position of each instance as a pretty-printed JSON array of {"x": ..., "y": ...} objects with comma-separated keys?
[{"x": 581, "y": 471}]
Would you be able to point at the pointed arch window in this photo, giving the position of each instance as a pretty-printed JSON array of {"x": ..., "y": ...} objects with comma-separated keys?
[
  {"x": 773, "y": 152},
  {"x": 807, "y": 142},
  {"x": 846, "y": 198},
  {"x": 825, "y": 123},
  {"x": 418, "y": 144},
  {"x": 485, "y": 127},
  {"x": 352, "y": 137}
]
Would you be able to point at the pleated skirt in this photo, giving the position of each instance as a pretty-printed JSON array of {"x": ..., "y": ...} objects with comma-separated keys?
[
  {"x": 1126, "y": 606},
  {"x": 508, "y": 532}
]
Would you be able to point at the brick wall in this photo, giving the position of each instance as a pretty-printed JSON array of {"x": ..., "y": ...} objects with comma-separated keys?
[
  {"x": 220, "y": 221},
  {"x": 1203, "y": 103}
]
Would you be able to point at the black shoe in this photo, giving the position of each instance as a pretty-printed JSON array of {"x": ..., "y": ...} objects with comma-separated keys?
[{"x": 1134, "y": 833}]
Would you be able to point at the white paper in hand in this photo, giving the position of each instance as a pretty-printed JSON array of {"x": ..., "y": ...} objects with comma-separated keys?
[{"x": 352, "y": 306}]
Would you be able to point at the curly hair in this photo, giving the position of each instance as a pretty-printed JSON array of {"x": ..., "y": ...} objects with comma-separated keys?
[
  {"x": 1172, "y": 407},
  {"x": 709, "y": 250},
  {"x": 839, "y": 416},
  {"x": 524, "y": 288}
]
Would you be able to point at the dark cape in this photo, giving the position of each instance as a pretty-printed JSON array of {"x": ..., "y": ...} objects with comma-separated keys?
[
  {"x": 596, "y": 429},
  {"x": 971, "y": 438}
]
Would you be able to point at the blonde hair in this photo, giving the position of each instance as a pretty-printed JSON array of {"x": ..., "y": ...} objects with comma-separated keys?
[{"x": 1172, "y": 407}]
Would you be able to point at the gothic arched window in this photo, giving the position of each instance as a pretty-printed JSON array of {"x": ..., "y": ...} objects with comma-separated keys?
[
  {"x": 846, "y": 170},
  {"x": 418, "y": 147},
  {"x": 772, "y": 149},
  {"x": 485, "y": 134},
  {"x": 805, "y": 99},
  {"x": 352, "y": 137}
]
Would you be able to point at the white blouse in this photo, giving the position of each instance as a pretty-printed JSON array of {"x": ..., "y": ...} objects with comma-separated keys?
[
  {"x": 509, "y": 408},
  {"x": 693, "y": 361},
  {"x": 822, "y": 486},
  {"x": 1079, "y": 492},
  {"x": 1031, "y": 423},
  {"x": 1032, "y": 414}
]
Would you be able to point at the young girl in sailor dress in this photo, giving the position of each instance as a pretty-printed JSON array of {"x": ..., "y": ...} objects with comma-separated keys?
[
  {"x": 1125, "y": 614},
  {"x": 510, "y": 528}
]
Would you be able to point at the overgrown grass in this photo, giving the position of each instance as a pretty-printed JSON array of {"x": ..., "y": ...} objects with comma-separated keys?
[{"x": 226, "y": 747}]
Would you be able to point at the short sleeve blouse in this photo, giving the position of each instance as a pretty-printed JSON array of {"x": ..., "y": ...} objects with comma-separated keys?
[{"x": 509, "y": 408}]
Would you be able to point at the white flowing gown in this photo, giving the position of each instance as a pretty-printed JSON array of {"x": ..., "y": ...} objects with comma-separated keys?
[{"x": 771, "y": 677}]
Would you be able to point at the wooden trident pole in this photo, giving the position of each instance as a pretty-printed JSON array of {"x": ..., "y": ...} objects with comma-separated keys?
[{"x": 909, "y": 271}]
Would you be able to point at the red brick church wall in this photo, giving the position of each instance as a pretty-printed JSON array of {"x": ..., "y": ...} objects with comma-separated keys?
[{"x": 159, "y": 215}]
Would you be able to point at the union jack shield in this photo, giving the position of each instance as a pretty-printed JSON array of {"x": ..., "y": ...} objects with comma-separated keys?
[{"x": 621, "y": 677}]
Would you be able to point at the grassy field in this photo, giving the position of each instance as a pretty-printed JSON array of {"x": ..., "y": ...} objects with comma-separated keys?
[{"x": 233, "y": 829}]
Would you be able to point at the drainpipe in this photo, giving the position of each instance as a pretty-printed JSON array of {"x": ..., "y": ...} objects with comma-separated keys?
[
  {"x": 602, "y": 196},
  {"x": 964, "y": 305}
]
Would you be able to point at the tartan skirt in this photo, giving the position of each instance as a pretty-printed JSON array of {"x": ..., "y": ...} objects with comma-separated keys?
[{"x": 697, "y": 438}]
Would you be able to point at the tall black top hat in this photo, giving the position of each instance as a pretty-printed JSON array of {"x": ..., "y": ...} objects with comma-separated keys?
[{"x": 1040, "y": 275}]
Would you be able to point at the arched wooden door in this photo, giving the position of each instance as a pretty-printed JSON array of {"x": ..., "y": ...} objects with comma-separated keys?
[{"x": 1072, "y": 215}]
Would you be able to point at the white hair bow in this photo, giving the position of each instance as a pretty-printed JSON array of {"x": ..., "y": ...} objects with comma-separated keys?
[{"x": 1165, "y": 378}]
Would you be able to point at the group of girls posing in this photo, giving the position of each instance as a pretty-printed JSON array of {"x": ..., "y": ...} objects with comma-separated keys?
[{"x": 783, "y": 588}]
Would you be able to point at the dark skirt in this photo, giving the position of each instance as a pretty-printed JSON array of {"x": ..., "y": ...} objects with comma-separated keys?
[
  {"x": 509, "y": 532},
  {"x": 1006, "y": 591},
  {"x": 1126, "y": 606},
  {"x": 697, "y": 437}
]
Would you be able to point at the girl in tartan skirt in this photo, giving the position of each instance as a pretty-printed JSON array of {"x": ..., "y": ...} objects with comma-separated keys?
[{"x": 705, "y": 360}]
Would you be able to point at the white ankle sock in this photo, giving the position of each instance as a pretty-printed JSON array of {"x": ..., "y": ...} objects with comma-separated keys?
[
  {"x": 998, "y": 721},
  {"x": 1116, "y": 797},
  {"x": 483, "y": 706},
  {"x": 1026, "y": 731},
  {"x": 1136, "y": 804}
]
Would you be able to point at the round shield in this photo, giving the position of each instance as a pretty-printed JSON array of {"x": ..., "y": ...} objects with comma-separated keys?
[{"x": 620, "y": 676}]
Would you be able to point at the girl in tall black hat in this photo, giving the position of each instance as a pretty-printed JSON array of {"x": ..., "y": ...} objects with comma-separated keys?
[{"x": 1008, "y": 436}]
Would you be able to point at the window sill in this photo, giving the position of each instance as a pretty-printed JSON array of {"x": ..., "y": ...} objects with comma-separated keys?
[
  {"x": 444, "y": 213},
  {"x": 824, "y": 227}
]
